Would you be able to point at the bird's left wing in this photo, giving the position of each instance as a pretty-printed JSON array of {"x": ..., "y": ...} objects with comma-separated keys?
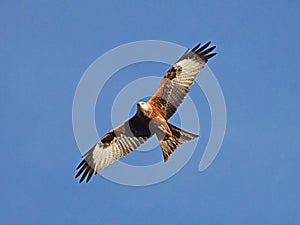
[
  {"x": 177, "y": 81},
  {"x": 115, "y": 144}
]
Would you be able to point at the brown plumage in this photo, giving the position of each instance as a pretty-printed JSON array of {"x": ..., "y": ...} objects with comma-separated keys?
[{"x": 151, "y": 117}]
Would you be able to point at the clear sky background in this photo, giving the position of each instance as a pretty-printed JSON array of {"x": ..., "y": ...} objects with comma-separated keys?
[{"x": 45, "y": 47}]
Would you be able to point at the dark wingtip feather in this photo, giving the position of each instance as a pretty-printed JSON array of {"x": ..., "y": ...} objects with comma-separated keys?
[
  {"x": 77, "y": 175},
  {"x": 80, "y": 171},
  {"x": 203, "y": 52},
  {"x": 91, "y": 172},
  {"x": 84, "y": 174},
  {"x": 196, "y": 47},
  {"x": 200, "y": 51},
  {"x": 211, "y": 55},
  {"x": 80, "y": 164},
  {"x": 208, "y": 50},
  {"x": 203, "y": 47}
]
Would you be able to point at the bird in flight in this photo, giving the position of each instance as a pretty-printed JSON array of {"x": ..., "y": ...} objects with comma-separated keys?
[{"x": 151, "y": 117}]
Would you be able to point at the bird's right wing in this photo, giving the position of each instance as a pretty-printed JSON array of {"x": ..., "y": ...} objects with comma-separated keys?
[
  {"x": 178, "y": 80},
  {"x": 115, "y": 144}
]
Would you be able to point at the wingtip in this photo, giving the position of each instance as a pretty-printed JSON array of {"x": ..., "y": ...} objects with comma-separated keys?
[
  {"x": 196, "y": 47},
  {"x": 77, "y": 175},
  {"x": 204, "y": 52},
  {"x": 211, "y": 55},
  {"x": 208, "y": 50},
  {"x": 91, "y": 172},
  {"x": 81, "y": 179},
  {"x": 80, "y": 164}
]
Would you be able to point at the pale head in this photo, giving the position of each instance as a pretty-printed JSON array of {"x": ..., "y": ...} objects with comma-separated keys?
[{"x": 144, "y": 108}]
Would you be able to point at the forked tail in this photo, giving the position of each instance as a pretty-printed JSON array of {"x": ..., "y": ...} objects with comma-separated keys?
[{"x": 170, "y": 144}]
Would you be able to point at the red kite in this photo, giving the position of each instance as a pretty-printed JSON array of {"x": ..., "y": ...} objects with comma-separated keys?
[{"x": 151, "y": 117}]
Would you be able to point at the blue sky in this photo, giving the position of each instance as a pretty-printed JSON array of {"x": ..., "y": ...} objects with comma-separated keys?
[{"x": 47, "y": 46}]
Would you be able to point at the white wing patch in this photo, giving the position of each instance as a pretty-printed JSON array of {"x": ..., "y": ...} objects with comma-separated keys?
[
  {"x": 167, "y": 98},
  {"x": 189, "y": 71},
  {"x": 103, "y": 154},
  {"x": 178, "y": 80}
]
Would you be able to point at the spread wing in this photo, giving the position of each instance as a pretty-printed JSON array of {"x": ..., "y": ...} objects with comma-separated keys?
[
  {"x": 115, "y": 144},
  {"x": 177, "y": 81}
]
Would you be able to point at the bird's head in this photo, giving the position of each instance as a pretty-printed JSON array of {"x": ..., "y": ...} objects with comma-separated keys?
[{"x": 144, "y": 108}]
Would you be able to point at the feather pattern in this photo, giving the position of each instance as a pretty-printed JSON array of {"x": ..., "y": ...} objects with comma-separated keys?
[
  {"x": 178, "y": 80},
  {"x": 151, "y": 117},
  {"x": 115, "y": 144}
]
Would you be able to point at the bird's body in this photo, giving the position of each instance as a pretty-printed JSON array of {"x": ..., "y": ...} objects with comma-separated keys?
[{"x": 151, "y": 117}]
